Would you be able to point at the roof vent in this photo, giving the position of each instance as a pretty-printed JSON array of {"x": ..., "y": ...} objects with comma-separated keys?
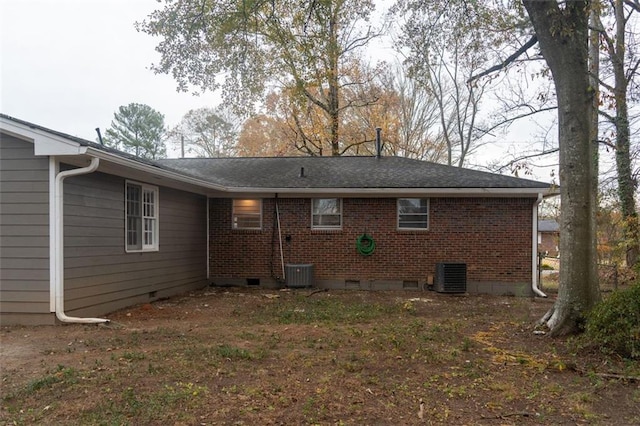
[
  {"x": 378, "y": 143},
  {"x": 99, "y": 135},
  {"x": 301, "y": 171}
]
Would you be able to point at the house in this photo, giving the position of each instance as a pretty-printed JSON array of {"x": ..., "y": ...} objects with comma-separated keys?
[
  {"x": 86, "y": 229},
  {"x": 548, "y": 237}
]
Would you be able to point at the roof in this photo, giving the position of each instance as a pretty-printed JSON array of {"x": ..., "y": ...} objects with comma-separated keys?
[
  {"x": 295, "y": 175},
  {"x": 80, "y": 141},
  {"x": 548, "y": 225},
  {"x": 341, "y": 172}
]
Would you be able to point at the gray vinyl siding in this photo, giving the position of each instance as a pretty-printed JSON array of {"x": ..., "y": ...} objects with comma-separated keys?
[
  {"x": 24, "y": 234},
  {"x": 100, "y": 276}
]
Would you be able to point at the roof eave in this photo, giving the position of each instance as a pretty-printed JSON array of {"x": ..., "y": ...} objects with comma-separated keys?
[
  {"x": 49, "y": 144},
  {"x": 154, "y": 170},
  {"x": 44, "y": 142},
  {"x": 394, "y": 192}
]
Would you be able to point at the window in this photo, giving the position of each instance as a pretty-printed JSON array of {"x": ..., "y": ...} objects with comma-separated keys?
[
  {"x": 247, "y": 214},
  {"x": 326, "y": 213},
  {"x": 413, "y": 213},
  {"x": 141, "y": 217}
]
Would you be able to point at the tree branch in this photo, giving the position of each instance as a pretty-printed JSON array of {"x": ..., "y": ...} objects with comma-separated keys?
[
  {"x": 512, "y": 119},
  {"x": 634, "y": 4},
  {"x": 532, "y": 41},
  {"x": 607, "y": 116},
  {"x": 525, "y": 157},
  {"x": 607, "y": 144},
  {"x": 605, "y": 85},
  {"x": 632, "y": 71}
]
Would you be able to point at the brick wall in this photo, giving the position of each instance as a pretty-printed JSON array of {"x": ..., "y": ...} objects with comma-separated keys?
[{"x": 491, "y": 235}]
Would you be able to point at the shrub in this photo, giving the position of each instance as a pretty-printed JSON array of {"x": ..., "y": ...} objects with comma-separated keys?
[{"x": 614, "y": 324}]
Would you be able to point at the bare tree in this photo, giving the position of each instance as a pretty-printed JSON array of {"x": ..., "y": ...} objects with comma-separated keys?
[
  {"x": 408, "y": 114},
  {"x": 458, "y": 103},
  {"x": 624, "y": 64},
  {"x": 207, "y": 132},
  {"x": 449, "y": 42}
]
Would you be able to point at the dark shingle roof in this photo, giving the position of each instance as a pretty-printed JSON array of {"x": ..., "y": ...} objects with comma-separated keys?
[
  {"x": 319, "y": 172},
  {"x": 340, "y": 172}
]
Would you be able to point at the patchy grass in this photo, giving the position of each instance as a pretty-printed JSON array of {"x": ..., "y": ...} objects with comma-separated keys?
[
  {"x": 242, "y": 356},
  {"x": 327, "y": 310}
]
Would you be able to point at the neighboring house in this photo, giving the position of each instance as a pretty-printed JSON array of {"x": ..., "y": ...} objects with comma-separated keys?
[
  {"x": 86, "y": 229},
  {"x": 548, "y": 237}
]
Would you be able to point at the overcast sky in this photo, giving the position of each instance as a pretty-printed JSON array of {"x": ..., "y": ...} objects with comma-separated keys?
[{"x": 69, "y": 64}]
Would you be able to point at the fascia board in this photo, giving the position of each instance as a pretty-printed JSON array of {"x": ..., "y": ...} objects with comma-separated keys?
[
  {"x": 394, "y": 192},
  {"x": 44, "y": 143}
]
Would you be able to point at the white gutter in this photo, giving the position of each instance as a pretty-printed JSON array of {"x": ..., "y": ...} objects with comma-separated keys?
[
  {"x": 58, "y": 228},
  {"x": 534, "y": 250},
  {"x": 393, "y": 192}
]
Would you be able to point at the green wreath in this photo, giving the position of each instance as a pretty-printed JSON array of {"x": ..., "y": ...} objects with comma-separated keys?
[{"x": 365, "y": 245}]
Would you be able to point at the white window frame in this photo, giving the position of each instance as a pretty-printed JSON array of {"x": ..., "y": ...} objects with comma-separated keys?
[
  {"x": 147, "y": 218},
  {"x": 235, "y": 215},
  {"x": 314, "y": 214},
  {"x": 427, "y": 214}
]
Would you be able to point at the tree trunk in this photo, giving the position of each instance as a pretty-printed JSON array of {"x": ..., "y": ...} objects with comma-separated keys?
[
  {"x": 334, "y": 105},
  {"x": 626, "y": 187},
  {"x": 594, "y": 85},
  {"x": 562, "y": 32}
]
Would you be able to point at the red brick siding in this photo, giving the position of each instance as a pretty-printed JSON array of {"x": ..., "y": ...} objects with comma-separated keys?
[{"x": 491, "y": 235}]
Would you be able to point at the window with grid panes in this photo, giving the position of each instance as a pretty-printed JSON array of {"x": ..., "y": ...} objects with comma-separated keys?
[{"x": 141, "y": 217}]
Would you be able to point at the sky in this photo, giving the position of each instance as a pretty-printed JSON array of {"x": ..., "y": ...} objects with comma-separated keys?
[{"x": 69, "y": 64}]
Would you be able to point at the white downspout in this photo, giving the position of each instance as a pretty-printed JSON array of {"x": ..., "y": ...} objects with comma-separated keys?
[
  {"x": 58, "y": 221},
  {"x": 534, "y": 250}
]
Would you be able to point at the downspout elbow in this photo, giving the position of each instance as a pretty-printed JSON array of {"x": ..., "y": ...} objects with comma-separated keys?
[
  {"x": 76, "y": 320},
  {"x": 59, "y": 242}
]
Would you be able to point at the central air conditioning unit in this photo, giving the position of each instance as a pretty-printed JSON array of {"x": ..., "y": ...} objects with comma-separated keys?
[
  {"x": 299, "y": 276},
  {"x": 451, "y": 278}
]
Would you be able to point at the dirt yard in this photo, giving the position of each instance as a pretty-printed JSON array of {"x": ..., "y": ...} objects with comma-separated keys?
[{"x": 257, "y": 357}]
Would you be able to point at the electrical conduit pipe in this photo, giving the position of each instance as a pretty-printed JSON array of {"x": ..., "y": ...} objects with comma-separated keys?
[
  {"x": 284, "y": 277},
  {"x": 534, "y": 250},
  {"x": 59, "y": 243}
]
